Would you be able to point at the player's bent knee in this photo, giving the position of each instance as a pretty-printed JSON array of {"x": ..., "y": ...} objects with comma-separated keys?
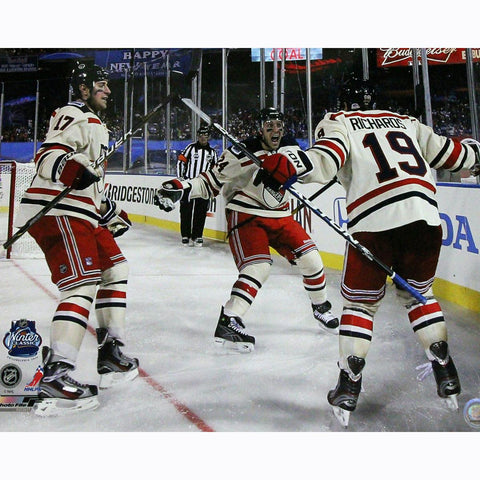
[
  {"x": 83, "y": 291},
  {"x": 258, "y": 271},
  {"x": 369, "y": 307},
  {"x": 117, "y": 273},
  {"x": 407, "y": 300},
  {"x": 310, "y": 263}
]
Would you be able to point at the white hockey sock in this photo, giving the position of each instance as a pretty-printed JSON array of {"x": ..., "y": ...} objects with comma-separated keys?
[
  {"x": 111, "y": 300},
  {"x": 356, "y": 329},
  {"x": 314, "y": 280},
  {"x": 245, "y": 289},
  {"x": 70, "y": 322},
  {"x": 427, "y": 322}
]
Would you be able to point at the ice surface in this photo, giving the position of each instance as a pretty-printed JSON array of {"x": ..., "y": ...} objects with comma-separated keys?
[{"x": 187, "y": 385}]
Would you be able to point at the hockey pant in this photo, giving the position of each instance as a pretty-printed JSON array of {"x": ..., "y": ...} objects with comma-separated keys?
[{"x": 250, "y": 248}]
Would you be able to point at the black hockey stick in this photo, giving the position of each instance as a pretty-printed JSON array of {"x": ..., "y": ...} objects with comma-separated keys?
[
  {"x": 97, "y": 163},
  {"x": 397, "y": 279}
]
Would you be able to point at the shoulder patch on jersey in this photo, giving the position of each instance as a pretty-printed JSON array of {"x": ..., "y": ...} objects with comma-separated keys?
[
  {"x": 76, "y": 104},
  {"x": 81, "y": 106}
]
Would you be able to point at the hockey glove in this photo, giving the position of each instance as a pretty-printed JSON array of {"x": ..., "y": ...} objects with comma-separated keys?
[
  {"x": 281, "y": 171},
  {"x": 114, "y": 218},
  {"x": 120, "y": 224},
  {"x": 76, "y": 171},
  {"x": 277, "y": 171},
  {"x": 170, "y": 193},
  {"x": 475, "y": 170}
]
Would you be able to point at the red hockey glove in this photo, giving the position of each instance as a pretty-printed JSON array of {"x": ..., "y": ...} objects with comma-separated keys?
[
  {"x": 279, "y": 171},
  {"x": 75, "y": 171}
]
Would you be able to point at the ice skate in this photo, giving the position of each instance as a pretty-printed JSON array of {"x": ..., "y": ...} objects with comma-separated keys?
[
  {"x": 198, "y": 242},
  {"x": 59, "y": 393},
  {"x": 112, "y": 365},
  {"x": 230, "y": 333},
  {"x": 325, "y": 318},
  {"x": 343, "y": 398},
  {"x": 445, "y": 373}
]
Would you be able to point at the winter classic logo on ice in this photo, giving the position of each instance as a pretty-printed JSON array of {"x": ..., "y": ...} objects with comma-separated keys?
[{"x": 22, "y": 341}]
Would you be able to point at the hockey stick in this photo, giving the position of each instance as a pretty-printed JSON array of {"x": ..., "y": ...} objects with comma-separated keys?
[
  {"x": 97, "y": 163},
  {"x": 333, "y": 181},
  {"x": 397, "y": 279}
]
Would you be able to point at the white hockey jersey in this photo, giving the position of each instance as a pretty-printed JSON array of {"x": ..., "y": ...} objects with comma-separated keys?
[
  {"x": 239, "y": 180},
  {"x": 383, "y": 161},
  {"x": 72, "y": 128}
]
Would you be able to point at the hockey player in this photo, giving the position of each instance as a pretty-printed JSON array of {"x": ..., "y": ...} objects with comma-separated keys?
[
  {"x": 77, "y": 238},
  {"x": 258, "y": 217},
  {"x": 196, "y": 158},
  {"x": 384, "y": 161}
]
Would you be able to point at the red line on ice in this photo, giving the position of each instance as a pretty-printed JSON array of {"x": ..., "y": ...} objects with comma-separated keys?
[{"x": 180, "y": 407}]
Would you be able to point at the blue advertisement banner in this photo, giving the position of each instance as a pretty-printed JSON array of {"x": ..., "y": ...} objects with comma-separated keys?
[{"x": 154, "y": 60}]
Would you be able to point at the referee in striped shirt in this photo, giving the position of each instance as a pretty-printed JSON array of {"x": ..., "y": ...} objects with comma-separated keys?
[{"x": 196, "y": 158}]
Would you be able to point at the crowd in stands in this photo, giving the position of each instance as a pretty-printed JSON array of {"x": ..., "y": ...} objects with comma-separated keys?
[
  {"x": 452, "y": 122},
  {"x": 24, "y": 133},
  {"x": 450, "y": 119}
]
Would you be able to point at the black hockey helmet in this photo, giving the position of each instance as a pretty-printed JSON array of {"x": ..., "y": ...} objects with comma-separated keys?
[
  {"x": 269, "y": 113},
  {"x": 87, "y": 74},
  {"x": 357, "y": 94},
  {"x": 204, "y": 130}
]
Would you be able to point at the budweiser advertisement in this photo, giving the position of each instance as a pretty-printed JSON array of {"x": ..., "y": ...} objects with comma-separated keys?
[{"x": 403, "y": 57}]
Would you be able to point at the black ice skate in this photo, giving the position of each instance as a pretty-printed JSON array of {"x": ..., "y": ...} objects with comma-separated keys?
[
  {"x": 445, "y": 373},
  {"x": 325, "y": 318},
  {"x": 112, "y": 365},
  {"x": 59, "y": 393},
  {"x": 345, "y": 395},
  {"x": 230, "y": 332}
]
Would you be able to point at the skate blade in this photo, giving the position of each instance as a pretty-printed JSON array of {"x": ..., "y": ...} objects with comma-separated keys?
[
  {"x": 108, "y": 380},
  {"x": 451, "y": 402},
  {"x": 343, "y": 416},
  {"x": 331, "y": 331},
  {"x": 242, "y": 347},
  {"x": 52, "y": 407}
]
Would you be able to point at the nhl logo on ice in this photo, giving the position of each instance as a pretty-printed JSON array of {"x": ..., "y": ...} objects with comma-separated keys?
[
  {"x": 22, "y": 340},
  {"x": 10, "y": 376}
]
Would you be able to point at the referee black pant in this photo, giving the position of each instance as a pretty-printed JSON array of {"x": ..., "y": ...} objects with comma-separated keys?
[{"x": 193, "y": 214}]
